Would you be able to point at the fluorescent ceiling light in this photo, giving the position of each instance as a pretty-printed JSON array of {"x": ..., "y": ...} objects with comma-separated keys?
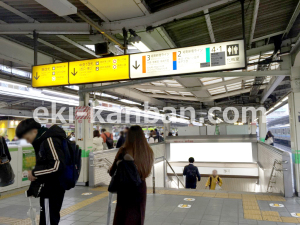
[
  {"x": 141, "y": 46},
  {"x": 15, "y": 84},
  {"x": 130, "y": 102},
  {"x": 60, "y": 93},
  {"x": 92, "y": 47},
  {"x": 131, "y": 47},
  {"x": 286, "y": 98},
  {"x": 277, "y": 104}
]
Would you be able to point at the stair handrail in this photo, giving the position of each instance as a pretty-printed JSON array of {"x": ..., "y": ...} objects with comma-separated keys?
[
  {"x": 178, "y": 180},
  {"x": 274, "y": 168},
  {"x": 107, "y": 161}
]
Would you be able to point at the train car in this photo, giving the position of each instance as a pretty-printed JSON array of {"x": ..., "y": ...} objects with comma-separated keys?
[{"x": 282, "y": 134}]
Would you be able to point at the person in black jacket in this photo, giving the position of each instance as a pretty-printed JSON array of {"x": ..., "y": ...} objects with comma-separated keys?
[
  {"x": 191, "y": 174},
  {"x": 121, "y": 140},
  {"x": 50, "y": 164}
]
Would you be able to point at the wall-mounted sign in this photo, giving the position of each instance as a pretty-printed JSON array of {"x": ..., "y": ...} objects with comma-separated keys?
[
  {"x": 50, "y": 75},
  {"x": 99, "y": 70},
  {"x": 204, "y": 58}
]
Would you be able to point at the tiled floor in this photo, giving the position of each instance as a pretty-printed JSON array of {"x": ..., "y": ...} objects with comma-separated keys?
[{"x": 209, "y": 208}]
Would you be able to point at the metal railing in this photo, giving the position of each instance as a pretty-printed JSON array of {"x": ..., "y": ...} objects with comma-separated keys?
[
  {"x": 163, "y": 159},
  {"x": 273, "y": 172},
  {"x": 178, "y": 180}
]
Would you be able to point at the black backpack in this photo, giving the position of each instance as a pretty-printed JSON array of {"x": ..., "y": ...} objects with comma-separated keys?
[
  {"x": 72, "y": 153},
  {"x": 109, "y": 141},
  {"x": 191, "y": 174}
]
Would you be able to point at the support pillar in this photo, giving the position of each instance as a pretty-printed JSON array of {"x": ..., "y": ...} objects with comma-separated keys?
[
  {"x": 262, "y": 126},
  {"x": 84, "y": 135},
  {"x": 294, "y": 117}
]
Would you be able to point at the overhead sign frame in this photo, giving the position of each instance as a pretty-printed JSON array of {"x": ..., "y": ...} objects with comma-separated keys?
[{"x": 133, "y": 65}]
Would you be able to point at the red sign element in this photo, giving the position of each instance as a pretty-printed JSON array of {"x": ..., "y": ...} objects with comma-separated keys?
[{"x": 83, "y": 112}]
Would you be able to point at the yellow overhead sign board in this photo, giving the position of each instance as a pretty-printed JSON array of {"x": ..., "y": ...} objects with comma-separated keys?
[
  {"x": 99, "y": 70},
  {"x": 50, "y": 75}
]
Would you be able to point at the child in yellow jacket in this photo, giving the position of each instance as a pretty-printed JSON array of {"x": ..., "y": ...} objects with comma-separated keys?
[{"x": 213, "y": 181}]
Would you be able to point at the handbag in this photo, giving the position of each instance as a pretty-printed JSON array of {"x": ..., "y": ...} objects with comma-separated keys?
[
  {"x": 113, "y": 185},
  {"x": 218, "y": 187},
  {"x": 7, "y": 176},
  {"x": 269, "y": 141}
]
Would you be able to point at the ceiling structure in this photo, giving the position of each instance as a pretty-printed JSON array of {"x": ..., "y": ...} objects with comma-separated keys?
[{"x": 161, "y": 25}]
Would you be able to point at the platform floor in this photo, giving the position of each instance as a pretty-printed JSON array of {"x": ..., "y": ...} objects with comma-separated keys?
[{"x": 84, "y": 205}]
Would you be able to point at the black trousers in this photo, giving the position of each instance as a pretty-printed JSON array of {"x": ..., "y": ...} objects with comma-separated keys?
[
  {"x": 50, "y": 208},
  {"x": 191, "y": 185}
]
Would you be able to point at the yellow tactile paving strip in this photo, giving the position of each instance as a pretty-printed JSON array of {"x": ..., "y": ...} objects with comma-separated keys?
[
  {"x": 7, "y": 220},
  {"x": 8, "y": 195},
  {"x": 100, "y": 189},
  {"x": 66, "y": 211}
]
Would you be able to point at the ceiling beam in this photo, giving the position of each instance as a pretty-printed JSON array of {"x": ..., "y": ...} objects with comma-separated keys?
[
  {"x": 17, "y": 12},
  {"x": 292, "y": 20},
  {"x": 20, "y": 54},
  {"x": 268, "y": 36},
  {"x": 164, "y": 34},
  {"x": 209, "y": 26},
  {"x": 163, "y": 16},
  {"x": 77, "y": 45},
  {"x": 55, "y": 47},
  {"x": 30, "y": 20},
  {"x": 45, "y": 28},
  {"x": 254, "y": 18},
  {"x": 273, "y": 84}
]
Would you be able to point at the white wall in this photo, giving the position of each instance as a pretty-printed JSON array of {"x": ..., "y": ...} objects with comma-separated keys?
[
  {"x": 159, "y": 176},
  {"x": 212, "y": 152},
  {"x": 222, "y": 171}
]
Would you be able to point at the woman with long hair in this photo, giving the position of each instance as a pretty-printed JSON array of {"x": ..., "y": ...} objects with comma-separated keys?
[
  {"x": 131, "y": 202},
  {"x": 97, "y": 141},
  {"x": 270, "y": 138}
]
